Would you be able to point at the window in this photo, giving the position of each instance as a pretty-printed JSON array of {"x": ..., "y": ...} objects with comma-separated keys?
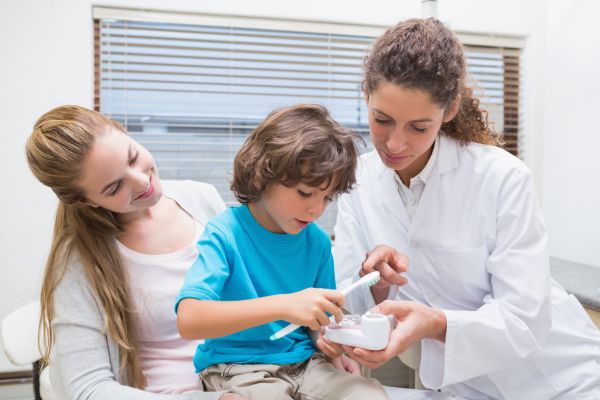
[{"x": 192, "y": 92}]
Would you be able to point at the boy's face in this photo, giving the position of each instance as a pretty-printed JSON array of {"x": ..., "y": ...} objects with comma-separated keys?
[{"x": 285, "y": 209}]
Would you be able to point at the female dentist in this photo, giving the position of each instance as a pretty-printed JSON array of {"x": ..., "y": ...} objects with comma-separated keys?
[{"x": 491, "y": 322}]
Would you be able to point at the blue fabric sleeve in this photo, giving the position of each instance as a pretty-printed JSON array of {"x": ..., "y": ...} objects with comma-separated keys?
[{"x": 207, "y": 276}]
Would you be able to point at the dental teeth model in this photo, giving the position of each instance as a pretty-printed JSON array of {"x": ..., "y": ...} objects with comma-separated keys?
[{"x": 369, "y": 331}]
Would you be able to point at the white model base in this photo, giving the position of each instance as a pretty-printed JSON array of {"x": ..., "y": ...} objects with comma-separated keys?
[{"x": 370, "y": 331}]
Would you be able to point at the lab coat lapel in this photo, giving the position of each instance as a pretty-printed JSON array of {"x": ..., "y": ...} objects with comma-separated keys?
[
  {"x": 436, "y": 186},
  {"x": 390, "y": 198}
]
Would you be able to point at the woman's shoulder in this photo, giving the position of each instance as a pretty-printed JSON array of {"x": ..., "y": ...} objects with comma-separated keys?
[
  {"x": 369, "y": 164},
  {"x": 201, "y": 200},
  {"x": 187, "y": 187},
  {"x": 487, "y": 159}
]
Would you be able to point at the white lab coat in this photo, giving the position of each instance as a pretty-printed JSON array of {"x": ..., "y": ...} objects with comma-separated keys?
[{"x": 477, "y": 249}]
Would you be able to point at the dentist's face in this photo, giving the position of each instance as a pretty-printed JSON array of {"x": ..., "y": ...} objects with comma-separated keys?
[
  {"x": 404, "y": 123},
  {"x": 119, "y": 174}
]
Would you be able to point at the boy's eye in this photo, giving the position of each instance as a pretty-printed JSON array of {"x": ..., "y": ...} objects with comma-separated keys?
[{"x": 304, "y": 194}]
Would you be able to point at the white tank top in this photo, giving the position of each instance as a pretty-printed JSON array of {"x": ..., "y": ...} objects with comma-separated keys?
[{"x": 155, "y": 281}]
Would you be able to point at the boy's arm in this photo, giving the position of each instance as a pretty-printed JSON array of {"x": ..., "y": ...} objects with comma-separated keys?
[{"x": 204, "y": 319}]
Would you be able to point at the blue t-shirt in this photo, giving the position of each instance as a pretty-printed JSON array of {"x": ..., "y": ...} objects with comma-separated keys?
[{"x": 241, "y": 260}]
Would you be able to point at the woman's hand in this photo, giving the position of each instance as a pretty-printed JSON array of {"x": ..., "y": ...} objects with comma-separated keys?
[
  {"x": 309, "y": 307},
  {"x": 390, "y": 264},
  {"x": 415, "y": 321}
]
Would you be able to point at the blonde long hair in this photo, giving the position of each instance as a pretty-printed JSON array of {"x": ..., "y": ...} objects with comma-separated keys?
[{"x": 56, "y": 149}]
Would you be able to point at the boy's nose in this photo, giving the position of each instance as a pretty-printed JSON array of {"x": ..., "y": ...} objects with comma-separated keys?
[{"x": 316, "y": 209}]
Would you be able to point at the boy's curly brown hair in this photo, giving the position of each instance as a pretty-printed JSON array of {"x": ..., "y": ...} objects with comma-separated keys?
[{"x": 301, "y": 143}]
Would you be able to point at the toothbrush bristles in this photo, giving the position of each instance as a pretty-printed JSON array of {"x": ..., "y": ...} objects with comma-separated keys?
[{"x": 374, "y": 281}]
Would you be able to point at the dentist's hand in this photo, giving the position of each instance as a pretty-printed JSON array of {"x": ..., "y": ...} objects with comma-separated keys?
[
  {"x": 390, "y": 264},
  {"x": 415, "y": 321}
]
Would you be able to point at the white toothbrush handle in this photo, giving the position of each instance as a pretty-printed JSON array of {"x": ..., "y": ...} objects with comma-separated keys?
[
  {"x": 368, "y": 279},
  {"x": 350, "y": 288},
  {"x": 284, "y": 331}
]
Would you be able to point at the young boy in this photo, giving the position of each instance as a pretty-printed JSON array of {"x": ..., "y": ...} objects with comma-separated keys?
[{"x": 265, "y": 264}]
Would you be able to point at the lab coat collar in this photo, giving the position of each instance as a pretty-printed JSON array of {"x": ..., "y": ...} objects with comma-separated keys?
[
  {"x": 435, "y": 189},
  {"x": 446, "y": 160},
  {"x": 447, "y": 155}
]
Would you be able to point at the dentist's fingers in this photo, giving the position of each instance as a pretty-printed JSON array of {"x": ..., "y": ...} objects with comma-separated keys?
[{"x": 390, "y": 264}]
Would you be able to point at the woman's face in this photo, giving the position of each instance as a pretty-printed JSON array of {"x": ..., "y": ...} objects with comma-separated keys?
[
  {"x": 404, "y": 123},
  {"x": 119, "y": 174}
]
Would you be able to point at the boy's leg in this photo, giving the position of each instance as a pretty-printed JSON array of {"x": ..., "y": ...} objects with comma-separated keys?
[
  {"x": 321, "y": 380},
  {"x": 253, "y": 381}
]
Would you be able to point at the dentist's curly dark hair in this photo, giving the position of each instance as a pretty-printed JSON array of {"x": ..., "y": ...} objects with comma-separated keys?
[{"x": 424, "y": 54}]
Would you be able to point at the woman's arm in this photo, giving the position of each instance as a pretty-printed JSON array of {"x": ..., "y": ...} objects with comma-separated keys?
[
  {"x": 86, "y": 358},
  {"x": 354, "y": 259},
  {"x": 514, "y": 318}
]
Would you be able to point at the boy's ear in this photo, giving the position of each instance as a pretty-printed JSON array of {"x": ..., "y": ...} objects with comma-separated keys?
[
  {"x": 366, "y": 95},
  {"x": 452, "y": 109}
]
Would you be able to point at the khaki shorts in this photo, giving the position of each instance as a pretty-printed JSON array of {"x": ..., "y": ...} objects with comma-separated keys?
[{"x": 313, "y": 379}]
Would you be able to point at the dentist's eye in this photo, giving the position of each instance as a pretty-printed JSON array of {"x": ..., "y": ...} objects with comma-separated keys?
[
  {"x": 419, "y": 129},
  {"x": 382, "y": 121},
  {"x": 304, "y": 194}
]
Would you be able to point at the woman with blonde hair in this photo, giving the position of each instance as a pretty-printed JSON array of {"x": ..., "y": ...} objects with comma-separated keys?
[{"x": 122, "y": 243}]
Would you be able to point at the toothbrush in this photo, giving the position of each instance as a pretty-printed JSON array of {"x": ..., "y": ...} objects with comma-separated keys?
[{"x": 367, "y": 280}]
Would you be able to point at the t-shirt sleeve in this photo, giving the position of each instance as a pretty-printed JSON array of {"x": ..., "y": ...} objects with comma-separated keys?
[{"x": 207, "y": 276}]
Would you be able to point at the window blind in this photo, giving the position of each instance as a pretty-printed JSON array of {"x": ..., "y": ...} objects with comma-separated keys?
[{"x": 192, "y": 93}]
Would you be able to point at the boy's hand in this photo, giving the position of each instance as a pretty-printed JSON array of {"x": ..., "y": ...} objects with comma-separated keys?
[
  {"x": 330, "y": 349},
  {"x": 231, "y": 396},
  {"x": 309, "y": 307},
  {"x": 345, "y": 363}
]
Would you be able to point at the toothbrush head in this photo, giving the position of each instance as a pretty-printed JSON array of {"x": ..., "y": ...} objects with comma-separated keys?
[
  {"x": 371, "y": 278},
  {"x": 368, "y": 280}
]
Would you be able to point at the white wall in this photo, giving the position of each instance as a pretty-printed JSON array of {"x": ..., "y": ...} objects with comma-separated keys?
[
  {"x": 571, "y": 161},
  {"x": 46, "y": 60}
]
